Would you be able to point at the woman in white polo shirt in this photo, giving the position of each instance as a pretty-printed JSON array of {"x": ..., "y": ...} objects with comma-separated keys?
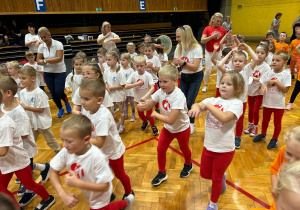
[
  {"x": 51, "y": 56},
  {"x": 108, "y": 39}
]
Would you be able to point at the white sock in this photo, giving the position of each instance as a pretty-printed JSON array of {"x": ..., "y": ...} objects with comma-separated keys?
[
  {"x": 210, "y": 202},
  {"x": 39, "y": 167}
]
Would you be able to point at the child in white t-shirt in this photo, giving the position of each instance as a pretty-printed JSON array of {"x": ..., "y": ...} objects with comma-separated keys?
[
  {"x": 90, "y": 70},
  {"x": 131, "y": 50},
  {"x": 152, "y": 66},
  {"x": 255, "y": 98},
  {"x": 105, "y": 134},
  {"x": 177, "y": 124},
  {"x": 275, "y": 85},
  {"x": 219, "y": 145},
  {"x": 143, "y": 85},
  {"x": 126, "y": 70},
  {"x": 14, "y": 159},
  {"x": 75, "y": 78},
  {"x": 13, "y": 68},
  {"x": 38, "y": 68},
  {"x": 87, "y": 166},
  {"x": 101, "y": 59},
  {"x": 239, "y": 62},
  {"x": 115, "y": 84}
]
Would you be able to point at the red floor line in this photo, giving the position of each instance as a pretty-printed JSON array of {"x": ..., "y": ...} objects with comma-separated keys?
[{"x": 143, "y": 142}]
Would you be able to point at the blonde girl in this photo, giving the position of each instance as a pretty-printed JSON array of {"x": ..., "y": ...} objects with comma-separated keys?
[
  {"x": 108, "y": 39},
  {"x": 271, "y": 52},
  {"x": 126, "y": 70},
  {"x": 115, "y": 84},
  {"x": 74, "y": 79},
  {"x": 131, "y": 50},
  {"x": 222, "y": 114}
]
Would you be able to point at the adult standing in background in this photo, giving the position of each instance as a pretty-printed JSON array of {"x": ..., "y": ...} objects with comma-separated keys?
[
  {"x": 32, "y": 40},
  {"x": 108, "y": 39},
  {"x": 51, "y": 56},
  {"x": 212, "y": 34},
  {"x": 295, "y": 26},
  {"x": 227, "y": 24},
  {"x": 276, "y": 24}
]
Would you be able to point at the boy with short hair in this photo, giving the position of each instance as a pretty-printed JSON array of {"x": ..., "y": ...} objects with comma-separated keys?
[
  {"x": 101, "y": 59},
  {"x": 281, "y": 45},
  {"x": 105, "y": 134},
  {"x": 141, "y": 47},
  {"x": 3, "y": 71},
  {"x": 143, "y": 85},
  {"x": 87, "y": 166},
  {"x": 270, "y": 37},
  {"x": 13, "y": 69}
]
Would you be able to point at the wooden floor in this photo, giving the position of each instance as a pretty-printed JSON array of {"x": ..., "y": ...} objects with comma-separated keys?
[{"x": 248, "y": 175}]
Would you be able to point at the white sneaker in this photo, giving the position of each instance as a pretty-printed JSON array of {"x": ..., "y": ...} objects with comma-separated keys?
[
  {"x": 204, "y": 89},
  {"x": 130, "y": 202},
  {"x": 192, "y": 125}
]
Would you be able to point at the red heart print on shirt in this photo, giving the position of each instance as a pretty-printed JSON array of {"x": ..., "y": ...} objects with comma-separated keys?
[
  {"x": 219, "y": 106},
  {"x": 166, "y": 104},
  {"x": 78, "y": 170}
]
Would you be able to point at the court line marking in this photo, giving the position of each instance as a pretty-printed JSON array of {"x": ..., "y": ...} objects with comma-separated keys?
[
  {"x": 197, "y": 164},
  {"x": 294, "y": 116}
]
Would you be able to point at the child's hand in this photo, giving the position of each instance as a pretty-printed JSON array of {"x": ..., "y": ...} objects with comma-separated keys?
[
  {"x": 242, "y": 46},
  {"x": 149, "y": 65},
  {"x": 71, "y": 179},
  {"x": 143, "y": 99},
  {"x": 229, "y": 32},
  {"x": 263, "y": 89},
  {"x": 140, "y": 83},
  {"x": 194, "y": 113},
  {"x": 68, "y": 90},
  {"x": 108, "y": 34},
  {"x": 154, "y": 114},
  {"x": 272, "y": 82},
  {"x": 37, "y": 44},
  {"x": 216, "y": 46},
  {"x": 93, "y": 59},
  {"x": 141, "y": 105},
  {"x": 70, "y": 199},
  {"x": 203, "y": 107}
]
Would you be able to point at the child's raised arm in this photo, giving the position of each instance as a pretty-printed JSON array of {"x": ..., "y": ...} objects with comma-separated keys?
[
  {"x": 98, "y": 141},
  {"x": 129, "y": 86},
  {"x": 251, "y": 52},
  {"x": 223, "y": 117},
  {"x": 223, "y": 61},
  {"x": 213, "y": 56},
  {"x": 223, "y": 39}
]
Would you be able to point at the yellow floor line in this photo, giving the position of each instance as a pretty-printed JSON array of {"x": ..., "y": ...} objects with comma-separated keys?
[{"x": 294, "y": 116}]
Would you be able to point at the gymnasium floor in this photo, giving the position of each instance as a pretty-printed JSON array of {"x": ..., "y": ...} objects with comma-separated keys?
[{"x": 248, "y": 175}]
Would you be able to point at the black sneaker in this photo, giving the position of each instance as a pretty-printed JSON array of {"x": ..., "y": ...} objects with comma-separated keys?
[
  {"x": 112, "y": 197},
  {"x": 186, "y": 170},
  {"x": 157, "y": 110},
  {"x": 155, "y": 131},
  {"x": 259, "y": 138},
  {"x": 21, "y": 190},
  {"x": 272, "y": 144},
  {"x": 45, "y": 173},
  {"x": 43, "y": 205},
  {"x": 160, "y": 177},
  {"x": 27, "y": 197},
  {"x": 237, "y": 142},
  {"x": 144, "y": 126},
  {"x": 125, "y": 195}
]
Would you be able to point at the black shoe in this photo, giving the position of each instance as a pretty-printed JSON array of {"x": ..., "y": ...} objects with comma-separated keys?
[
  {"x": 237, "y": 142},
  {"x": 157, "y": 110},
  {"x": 21, "y": 190},
  {"x": 45, "y": 173},
  {"x": 144, "y": 126},
  {"x": 186, "y": 170},
  {"x": 160, "y": 177},
  {"x": 259, "y": 138},
  {"x": 112, "y": 197},
  {"x": 43, "y": 205},
  {"x": 27, "y": 197},
  {"x": 272, "y": 144},
  {"x": 125, "y": 195},
  {"x": 155, "y": 131},
  {"x": 293, "y": 76}
]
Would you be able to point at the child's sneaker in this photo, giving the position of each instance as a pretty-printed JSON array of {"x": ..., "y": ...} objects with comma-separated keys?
[
  {"x": 144, "y": 126},
  {"x": 130, "y": 202},
  {"x": 259, "y": 138},
  {"x": 224, "y": 186},
  {"x": 272, "y": 144},
  {"x": 45, "y": 173},
  {"x": 212, "y": 206},
  {"x": 249, "y": 128},
  {"x": 237, "y": 142},
  {"x": 68, "y": 108},
  {"x": 132, "y": 119},
  {"x": 112, "y": 197},
  {"x": 27, "y": 197},
  {"x": 60, "y": 113},
  {"x": 254, "y": 131},
  {"x": 289, "y": 106},
  {"x": 17, "y": 181},
  {"x": 204, "y": 89},
  {"x": 160, "y": 177},
  {"x": 186, "y": 170},
  {"x": 43, "y": 205},
  {"x": 155, "y": 131},
  {"x": 125, "y": 195},
  {"x": 192, "y": 126},
  {"x": 121, "y": 129},
  {"x": 21, "y": 190}
]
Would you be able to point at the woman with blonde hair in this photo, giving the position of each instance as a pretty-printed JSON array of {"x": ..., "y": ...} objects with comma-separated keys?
[
  {"x": 212, "y": 34},
  {"x": 108, "y": 39},
  {"x": 188, "y": 55}
]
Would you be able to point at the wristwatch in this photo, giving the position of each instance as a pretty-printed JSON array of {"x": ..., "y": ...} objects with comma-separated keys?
[
  {"x": 45, "y": 62},
  {"x": 184, "y": 63}
]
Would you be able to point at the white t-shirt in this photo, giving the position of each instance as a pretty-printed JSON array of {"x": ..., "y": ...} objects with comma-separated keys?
[
  {"x": 104, "y": 125},
  {"x": 56, "y": 67},
  {"x": 90, "y": 167},
  {"x": 269, "y": 58},
  {"x": 105, "y": 66},
  {"x": 20, "y": 117},
  {"x": 189, "y": 57},
  {"x": 175, "y": 100},
  {"x": 246, "y": 72},
  {"x": 16, "y": 157},
  {"x": 77, "y": 80},
  {"x": 115, "y": 79},
  {"x": 39, "y": 77},
  {"x": 19, "y": 89},
  {"x": 29, "y": 37},
  {"x": 126, "y": 73},
  {"x": 156, "y": 64},
  {"x": 110, "y": 45},
  {"x": 106, "y": 101},
  {"x": 219, "y": 137},
  {"x": 140, "y": 91},
  {"x": 162, "y": 57},
  {"x": 219, "y": 73},
  {"x": 37, "y": 99},
  {"x": 274, "y": 98},
  {"x": 259, "y": 71},
  {"x": 133, "y": 55}
]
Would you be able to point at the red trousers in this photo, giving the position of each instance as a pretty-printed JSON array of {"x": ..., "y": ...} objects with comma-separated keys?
[
  {"x": 25, "y": 177},
  {"x": 114, "y": 206},
  {"x": 278, "y": 113},
  {"x": 143, "y": 117},
  {"x": 239, "y": 124},
  {"x": 254, "y": 104},
  {"x": 165, "y": 139},
  {"x": 118, "y": 168},
  {"x": 213, "y": 166},
  {"x": 218, "y": 93},
  {"x": 155, "y": 89},
  {"x": 178, "y": 81},
  {"x": 294, "y": 60}
]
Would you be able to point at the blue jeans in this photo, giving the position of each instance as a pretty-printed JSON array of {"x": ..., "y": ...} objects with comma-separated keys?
[
  {"x": 56, "y": 84},
  {"x": 190, "y": 85}
]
